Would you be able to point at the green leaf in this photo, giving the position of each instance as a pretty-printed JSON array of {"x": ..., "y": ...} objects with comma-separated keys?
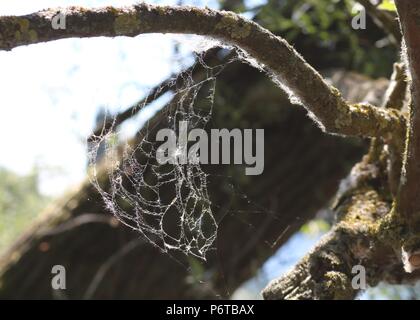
[{"x": 388, "y": 5}]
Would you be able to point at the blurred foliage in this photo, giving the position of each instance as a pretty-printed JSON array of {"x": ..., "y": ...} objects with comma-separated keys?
[
  {"x": 20, "y": 202},
  {"x": 321, "y": 30},
  {"x": 388, "y": 5}
]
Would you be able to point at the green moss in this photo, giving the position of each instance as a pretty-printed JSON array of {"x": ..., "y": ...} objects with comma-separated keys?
[
  {"x": 33, "y": 36},
  {"x": 14, "y": 29},
  {"x": 335, "y": 92},
  {"x": 18, "y": 36},
  {"x": 24, "y": 25},
  {"x": 392, "y": 229},
  {"x": 343, "y": 116},
  {"x": 338, "y": 284},
  {"x": 126, "y": 23},
  {"x": 237, "y": 28},
  {"x": 161, "y": 10},
  {"x": 25, "y": 33},
  {"x": 362, "y": 210}
]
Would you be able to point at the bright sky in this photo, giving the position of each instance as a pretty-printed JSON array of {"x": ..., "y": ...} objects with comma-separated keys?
[{"x": 50, "y": 92}]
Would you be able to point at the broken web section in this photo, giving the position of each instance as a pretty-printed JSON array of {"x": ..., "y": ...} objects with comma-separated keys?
[{"x": 168, "y": 204}]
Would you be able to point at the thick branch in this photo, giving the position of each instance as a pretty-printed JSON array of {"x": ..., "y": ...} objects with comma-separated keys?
[
  {"x": 272, "y": 52},
  {"x": 395, "y": 98},
  {"x": 396, "y": 92},
  {"x": 408, "y": 202},
  {"x": 326, "y": 272}
]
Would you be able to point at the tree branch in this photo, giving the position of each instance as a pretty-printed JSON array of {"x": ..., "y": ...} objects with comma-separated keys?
[
  {"x": 277, "y": 57},
  {"x": 357, "y": 239},
  {"x": 408, "y": 201},
  {"x": 395, "y": 97},
  {"x": 368, "y": 233}
]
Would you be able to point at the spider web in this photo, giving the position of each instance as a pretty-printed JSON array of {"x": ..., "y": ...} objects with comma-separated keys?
[{"x": 168, "y": 204}]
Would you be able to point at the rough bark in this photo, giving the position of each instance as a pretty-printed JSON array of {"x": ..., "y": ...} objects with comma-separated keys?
[
  {"x": 408, "y": 202},
  {"x": 367, "y": 233},
  {"x": 326, "y": 272},
  {"x": 364, "y": 235}
]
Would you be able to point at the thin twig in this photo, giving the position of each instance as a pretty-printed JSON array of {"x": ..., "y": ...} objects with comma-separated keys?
[{"x": 101, "y": 273}]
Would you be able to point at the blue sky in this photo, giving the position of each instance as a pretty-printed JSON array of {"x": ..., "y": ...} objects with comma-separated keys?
[{"x": 50, "y": 92}]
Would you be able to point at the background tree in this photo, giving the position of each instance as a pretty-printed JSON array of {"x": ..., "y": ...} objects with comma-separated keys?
[{"x": 19, "y": 200}]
